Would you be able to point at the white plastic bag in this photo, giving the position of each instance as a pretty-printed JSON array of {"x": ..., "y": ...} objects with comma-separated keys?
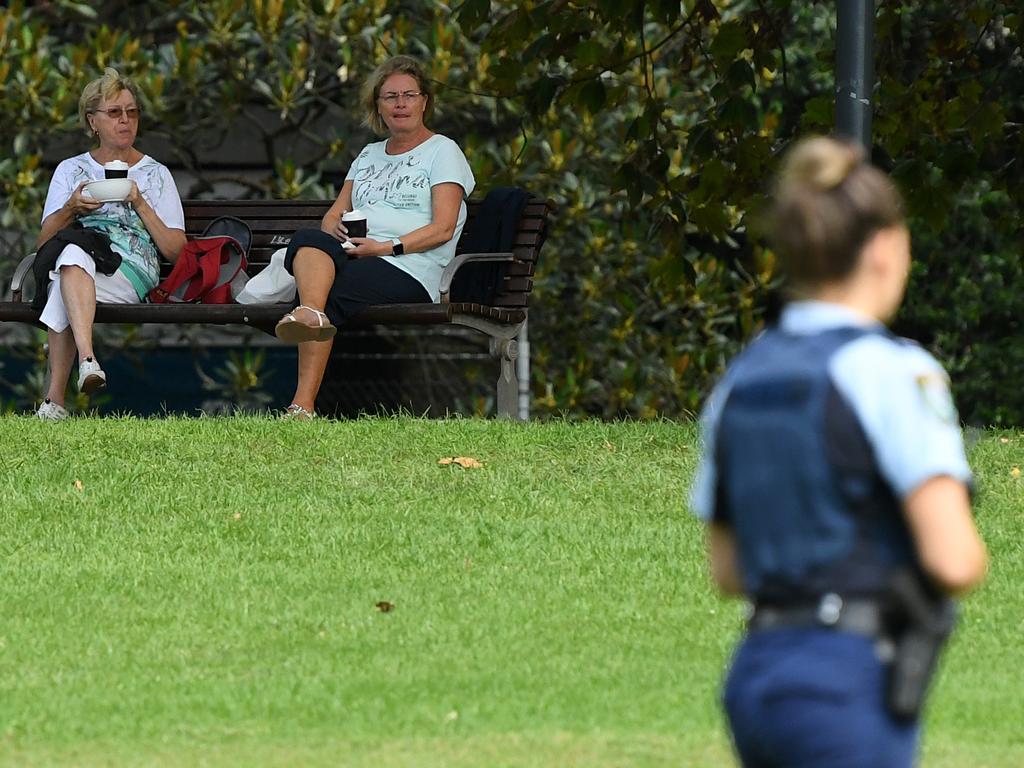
[{"x": 271, "y": 286}]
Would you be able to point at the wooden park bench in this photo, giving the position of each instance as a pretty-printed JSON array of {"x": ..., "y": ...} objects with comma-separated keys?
[{"x": 274, "y": 221}]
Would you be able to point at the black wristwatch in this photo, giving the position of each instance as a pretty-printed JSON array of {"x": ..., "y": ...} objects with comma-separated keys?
[{"x": 397, "y": 249}]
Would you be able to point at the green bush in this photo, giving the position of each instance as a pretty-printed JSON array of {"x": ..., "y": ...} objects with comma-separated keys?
[{"x": 966, "y": 307}]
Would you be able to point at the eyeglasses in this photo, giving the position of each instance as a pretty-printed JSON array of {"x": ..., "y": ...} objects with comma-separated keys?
[
  {"x": 114, "y": 113},
  {"x": 393, "y": 98}
]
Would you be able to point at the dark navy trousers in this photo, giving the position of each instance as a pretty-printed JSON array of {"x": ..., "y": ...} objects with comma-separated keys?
[{"x": 813, "y": 698}]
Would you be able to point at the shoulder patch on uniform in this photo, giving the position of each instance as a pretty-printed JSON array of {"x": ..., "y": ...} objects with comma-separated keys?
[{"x": 934, "y": 389}]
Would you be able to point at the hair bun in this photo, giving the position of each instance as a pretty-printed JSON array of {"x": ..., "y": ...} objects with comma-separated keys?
[
  {"x": 828, "y": 201},
  {"x": 822, "y": 163}
]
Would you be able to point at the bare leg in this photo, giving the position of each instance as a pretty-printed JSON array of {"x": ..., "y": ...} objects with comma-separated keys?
[
  {"x": 314, "y": 275},
  {"x": 78, "y": 290},
  {"x": 313, "y": 358},
  {"x": 62, "y": 355}
]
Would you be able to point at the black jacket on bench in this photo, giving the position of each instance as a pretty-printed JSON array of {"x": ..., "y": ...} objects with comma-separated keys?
[
  {"x": 96, "y": 244},
  {"x": 493, "y": 231}
]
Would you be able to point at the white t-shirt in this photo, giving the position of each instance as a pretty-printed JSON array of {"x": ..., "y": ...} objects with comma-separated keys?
[
  {"x": 394, "y": 192},
  {"x": 140, "y": 260}
]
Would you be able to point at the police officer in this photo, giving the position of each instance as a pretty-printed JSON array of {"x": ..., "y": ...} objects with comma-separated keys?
[{"x": 832, "y": 460}]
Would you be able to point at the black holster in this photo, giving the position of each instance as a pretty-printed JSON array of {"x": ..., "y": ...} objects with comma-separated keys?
[{"x": 925, "y": 620}]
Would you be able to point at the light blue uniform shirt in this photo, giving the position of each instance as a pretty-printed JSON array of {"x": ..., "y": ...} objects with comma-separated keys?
[
  {"x": 394, "y": 191},
  {"x": 899, "y": 393}
]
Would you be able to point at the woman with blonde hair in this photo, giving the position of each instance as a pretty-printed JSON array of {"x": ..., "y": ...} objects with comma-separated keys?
[
  {"x": 111, "y": 250},
  {"x": 411, "y": 189},
  {"x": 833, "y": 470}
]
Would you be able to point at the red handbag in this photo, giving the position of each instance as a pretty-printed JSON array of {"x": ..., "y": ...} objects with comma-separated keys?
[{"x": 203, "y": 272}]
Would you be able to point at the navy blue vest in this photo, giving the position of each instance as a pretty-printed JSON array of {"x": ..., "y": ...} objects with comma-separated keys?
[{"x": 797, "y": 479}]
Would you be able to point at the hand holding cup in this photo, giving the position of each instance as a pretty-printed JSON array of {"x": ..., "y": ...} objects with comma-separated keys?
[{"x": 353, "y": 224}]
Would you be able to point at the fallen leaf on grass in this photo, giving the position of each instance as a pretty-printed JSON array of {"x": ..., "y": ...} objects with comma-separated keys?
[
  {"x": 452, "y": 716},
  {"x": 78, "y": 485},
  {"x": 1015, "y": 472},
  {"x": 237, "y": 516},
  {"x": 608, "y": 446},
  {"x": 1004, "y": 440},
  {"x": 466, "y": 462},
  {"x": 384, "y": 606}
]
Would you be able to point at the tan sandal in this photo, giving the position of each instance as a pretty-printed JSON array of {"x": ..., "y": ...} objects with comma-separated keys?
[
  {"x": 296, "y": 412},
  {"x": 295, "y": 331}
]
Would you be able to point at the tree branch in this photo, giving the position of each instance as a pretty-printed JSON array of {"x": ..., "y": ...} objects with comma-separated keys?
[
  {"x": 645, "y": 53},
  {"x": 778, "y": 36}
]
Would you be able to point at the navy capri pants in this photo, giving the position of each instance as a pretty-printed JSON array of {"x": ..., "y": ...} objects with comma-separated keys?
[{"x": 357, "y": 282}]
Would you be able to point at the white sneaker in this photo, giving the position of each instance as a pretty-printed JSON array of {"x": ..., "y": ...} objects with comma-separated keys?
[
  {"x": 91, "y": 377},
  {"x": 50, "y": 411}
]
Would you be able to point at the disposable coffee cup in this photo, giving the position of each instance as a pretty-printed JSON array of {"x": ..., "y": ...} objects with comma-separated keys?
[
  {"x": 355, "y": 223},
  {"x": 115, "y": 169}
]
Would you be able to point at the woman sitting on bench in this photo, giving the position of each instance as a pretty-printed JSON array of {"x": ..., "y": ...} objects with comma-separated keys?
[
  {"x": 411, "y": 189},
  {"x": 105, "y": 249}
]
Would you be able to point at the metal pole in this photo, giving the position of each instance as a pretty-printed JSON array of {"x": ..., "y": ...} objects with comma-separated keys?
[
  {"x": 855, "y": 70},
  {"x": 523, "y": 373}
]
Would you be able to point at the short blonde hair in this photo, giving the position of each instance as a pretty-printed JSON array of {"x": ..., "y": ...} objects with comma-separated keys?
[
  {"x": 828, "y": 201},
  {"x": 103, "y": 88},
  {"x": 396, "y": 65}
]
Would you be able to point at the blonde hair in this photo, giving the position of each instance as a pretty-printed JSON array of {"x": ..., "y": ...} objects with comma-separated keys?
[
  {"x": 396, "y": 65},
  {"x": 828, "y": 201},
  {"x": 103, "y": 88}
]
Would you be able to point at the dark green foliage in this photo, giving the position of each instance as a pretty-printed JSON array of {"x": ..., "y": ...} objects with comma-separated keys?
[
  {"x": 654, "y": 126},
  {"x": 965, "y": 305},
  {"x": 693, "y": 111},
  {"x": 951, "y": 108}
]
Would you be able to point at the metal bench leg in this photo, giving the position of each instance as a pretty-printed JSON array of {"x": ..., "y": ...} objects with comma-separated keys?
[
  {"x": 523, "y": 372},
  {"x": 507, "y": 350}
]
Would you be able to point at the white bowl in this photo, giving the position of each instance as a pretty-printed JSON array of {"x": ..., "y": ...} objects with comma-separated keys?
[{"x": 109, "y": 190}]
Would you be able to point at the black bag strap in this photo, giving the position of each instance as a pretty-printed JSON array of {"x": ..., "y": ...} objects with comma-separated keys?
[{"x": 233, "y": 227}]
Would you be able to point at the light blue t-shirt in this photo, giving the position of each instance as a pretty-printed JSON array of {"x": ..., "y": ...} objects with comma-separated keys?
[
  {"x": 395, "y": 193},
  {"x": 899, "y": 393}
]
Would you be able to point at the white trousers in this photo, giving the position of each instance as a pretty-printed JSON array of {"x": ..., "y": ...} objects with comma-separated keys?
[{"x": 110, "y": 289}]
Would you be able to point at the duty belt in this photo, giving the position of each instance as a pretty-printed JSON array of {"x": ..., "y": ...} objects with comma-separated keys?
[{"x": 859, "y": 616}]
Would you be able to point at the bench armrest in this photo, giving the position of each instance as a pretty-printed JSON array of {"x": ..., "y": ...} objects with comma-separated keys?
[
  {"x": 464, "y": 258},
  {"x": 24, "y": 266}
]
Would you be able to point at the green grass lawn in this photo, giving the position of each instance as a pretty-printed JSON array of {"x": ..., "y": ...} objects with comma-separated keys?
[{"x": 205, "y": 592}]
